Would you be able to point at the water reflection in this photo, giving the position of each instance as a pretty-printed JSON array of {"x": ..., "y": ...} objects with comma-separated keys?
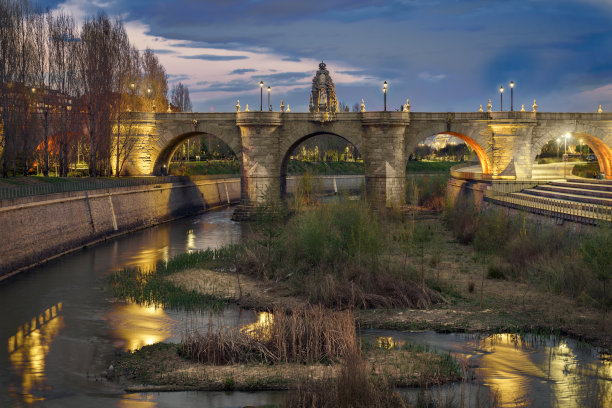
[
  {"x": 28, "y": 349},
  {"x": 522, "y": 370},
  {"x": 262, "y": 328},
  {"x": 135, "y": 326}
]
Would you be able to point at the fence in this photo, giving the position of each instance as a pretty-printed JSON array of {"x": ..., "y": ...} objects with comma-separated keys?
[
  {"x": 579, "y": 212},
  {"x": 66, "y": 186}
]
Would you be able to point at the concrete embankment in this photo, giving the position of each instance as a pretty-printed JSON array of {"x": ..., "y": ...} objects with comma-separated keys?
[{"x": 36, "y": 229}]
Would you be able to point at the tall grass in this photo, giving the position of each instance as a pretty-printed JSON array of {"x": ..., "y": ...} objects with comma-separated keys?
[
  {"x": 308, "y": 335},
  {"x": 519, "y": 249},
  {"x": 333, "y": 255},
  {"x": 427, "y": 191}
]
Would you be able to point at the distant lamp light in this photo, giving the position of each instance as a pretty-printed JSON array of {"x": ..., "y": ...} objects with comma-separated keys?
[
  {"x": 261, "y": 84},
  {"x": 511, "y": 96},
  {"x": 269, "y": 104},
  {"x": 33, "y": 90},
  {"x": 501, "y": 98}
]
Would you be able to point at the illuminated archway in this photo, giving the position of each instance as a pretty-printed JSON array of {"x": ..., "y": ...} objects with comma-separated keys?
[
  {"x": 485, "y": 162},
  {"x": 162, "y": 163},
  {"x": 602, "y": 151}
]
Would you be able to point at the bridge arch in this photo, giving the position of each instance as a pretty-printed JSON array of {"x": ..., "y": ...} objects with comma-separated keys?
[
  {"x": 288, "y": 149},
  {"x": 595, "y": 138},
  {"x": 468, "y": 135}
]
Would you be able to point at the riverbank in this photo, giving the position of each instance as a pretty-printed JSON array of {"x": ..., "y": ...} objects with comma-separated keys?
[
  {"x": 429, "y": 254},
  {"x": 159, "y": 367}
]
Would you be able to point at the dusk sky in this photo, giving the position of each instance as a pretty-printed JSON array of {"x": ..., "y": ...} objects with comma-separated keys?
[{"x": 445, "y": 55}]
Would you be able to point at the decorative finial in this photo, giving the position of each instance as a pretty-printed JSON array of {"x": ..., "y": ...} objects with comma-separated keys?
[
  {"x": 362, "y": 106},
  {"x": 599, "y": 110},
  {"x": 247, "y": 108},
  {"x": 523, "y": 108},
  {"x": 169, "y": 109},
  {"x": 489, "y": 106},
  {"x": 238, "y": 105},
  {"x": 288, "y": 109},
  {"x": 480, "y": 108},
  {"x": 407, "y": 106},
  {"x": 535, "y": 106},
  {"x": 282, "y": 106}
]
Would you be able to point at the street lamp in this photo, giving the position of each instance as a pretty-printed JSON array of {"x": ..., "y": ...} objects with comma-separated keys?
[
  {"x": 261, "y": 84},
  {"x": 567, "y": 136},
  {"x": 385, "y": 93},
  {"x": 501, "y": 97},
  {"x": 269, "y": 105},
  {"x": 511, "y": 96},
  {"x": 558, "y": 144}
]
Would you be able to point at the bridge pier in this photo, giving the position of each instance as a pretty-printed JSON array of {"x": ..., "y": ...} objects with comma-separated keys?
[
  {"x": 261, "y": 158},
  {"x": 385, "y": 158}
]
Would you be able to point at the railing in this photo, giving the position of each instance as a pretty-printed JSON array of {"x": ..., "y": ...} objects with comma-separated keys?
[
  {"x": 512, "y": 186},
  {"x": 7, "y": 193},
  {"x": 579, "y": 212}
]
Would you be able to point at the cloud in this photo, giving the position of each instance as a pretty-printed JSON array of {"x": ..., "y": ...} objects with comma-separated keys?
[
  {"x": 294, "y": 59},
  {"x": 242, "y": 71},
  {"x": 429, "y": 77},
  {"x": 212, "y": 57}
]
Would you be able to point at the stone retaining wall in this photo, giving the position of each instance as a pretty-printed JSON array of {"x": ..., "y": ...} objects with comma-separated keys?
[{"x": 36, "y": 229}]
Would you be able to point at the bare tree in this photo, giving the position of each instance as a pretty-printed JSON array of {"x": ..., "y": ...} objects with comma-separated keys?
[
  {"x": 155, "y": 80},
  {"x": 179, "y": 98}
]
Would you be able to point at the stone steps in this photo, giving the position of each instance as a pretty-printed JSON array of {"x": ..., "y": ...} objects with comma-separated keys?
[
  {"x": 574, "y": 190},
  {"x": 574, "y": 196}
]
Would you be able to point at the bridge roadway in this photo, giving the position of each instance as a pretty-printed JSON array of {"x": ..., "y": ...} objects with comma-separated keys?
[{"x": 506, "y": 142}]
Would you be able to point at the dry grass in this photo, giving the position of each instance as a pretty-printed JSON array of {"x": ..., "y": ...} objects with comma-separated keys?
[{"x": 305, "y": 335}]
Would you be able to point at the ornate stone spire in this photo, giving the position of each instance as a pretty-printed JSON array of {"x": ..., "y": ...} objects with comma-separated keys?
[{"x": 323, "y": 94}]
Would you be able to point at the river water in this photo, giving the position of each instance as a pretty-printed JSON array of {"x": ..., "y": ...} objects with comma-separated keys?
[{"x": 61, "y": 328}]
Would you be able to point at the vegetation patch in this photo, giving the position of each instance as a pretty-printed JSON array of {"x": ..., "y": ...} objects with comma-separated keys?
[
  {"x": 308, "y": 335},
  {"x": 586, "y": 170}
]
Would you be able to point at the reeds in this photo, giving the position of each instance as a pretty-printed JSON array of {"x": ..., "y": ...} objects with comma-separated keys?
[{"x": 307, "y": 335}]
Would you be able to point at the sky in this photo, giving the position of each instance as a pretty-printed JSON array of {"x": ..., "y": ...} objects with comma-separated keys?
[{"x": 444, "y": 55}]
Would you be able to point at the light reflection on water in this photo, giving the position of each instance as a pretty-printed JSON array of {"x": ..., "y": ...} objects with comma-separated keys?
[
  {"x": 524, "y": 370},
  {"x": 28, "y": 349}
]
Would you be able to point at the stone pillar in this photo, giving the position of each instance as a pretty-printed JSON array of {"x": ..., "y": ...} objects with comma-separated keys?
[
  {"x": 261, "y": 161},
  {"x": 143, "y": 133},
  {"x": 511, "y": 150},
  {"x": 385, "y": 157}
]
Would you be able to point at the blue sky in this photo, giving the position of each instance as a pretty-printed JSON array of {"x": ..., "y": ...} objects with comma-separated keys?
[{"x": 445, "y": 55}]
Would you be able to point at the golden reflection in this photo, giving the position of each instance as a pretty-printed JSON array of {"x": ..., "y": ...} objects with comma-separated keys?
[
  {"x": 137, "y": 401},
  {"x": 28, "y": 349},
  {"x": 387, "y": 343},
  {"x": 262, "y": 328},
  {"x": 137, "y": 326},
  {"x": 190, "y": 241},
  {"x": 506, "y": 367}
]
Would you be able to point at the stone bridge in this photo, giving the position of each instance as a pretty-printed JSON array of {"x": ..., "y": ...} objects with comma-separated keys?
[{"x": 506, "y": 142}]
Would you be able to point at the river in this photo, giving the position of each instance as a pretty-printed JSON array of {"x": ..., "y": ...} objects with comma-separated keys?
[{"x": 61, "y": 328}]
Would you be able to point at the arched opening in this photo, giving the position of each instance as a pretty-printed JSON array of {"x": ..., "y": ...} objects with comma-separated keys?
[
  {"x": 451, "y": 146},
  {"x": 320, "y": 154},
  {"x": 574, "y": 154},
  {"x": 197, "y": 153}
]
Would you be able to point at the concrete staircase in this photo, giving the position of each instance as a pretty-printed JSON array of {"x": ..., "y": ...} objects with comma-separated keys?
[
  {"x": 574, "y": 191},
  {"x": 579, "y": 200}
]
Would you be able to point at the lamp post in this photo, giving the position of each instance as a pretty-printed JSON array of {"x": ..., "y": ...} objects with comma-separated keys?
[
  {"x": 385, "y": 94},
  {"x": 567, "y": 136},
  {"x": 501, "y": 98},
  {"x": 269, "y": 105},
  {"x": 261, "y": 84},
  {"x": 558, "y": 144},
  {"x": 511, "y": 96}
]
